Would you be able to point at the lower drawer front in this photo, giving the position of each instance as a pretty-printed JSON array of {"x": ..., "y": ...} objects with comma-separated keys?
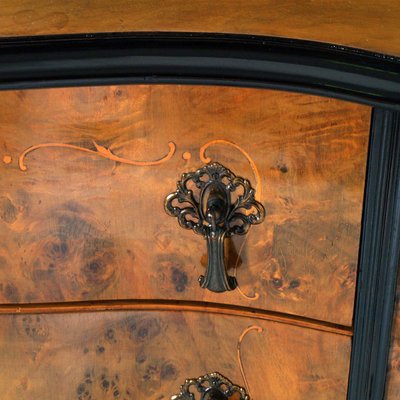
[{"x": 149, "y": 354}]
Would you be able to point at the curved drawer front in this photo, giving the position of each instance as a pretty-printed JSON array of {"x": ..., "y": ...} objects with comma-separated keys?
[
  {"x": 141, "y": 355},
  {"x": 85, "y": 171}
]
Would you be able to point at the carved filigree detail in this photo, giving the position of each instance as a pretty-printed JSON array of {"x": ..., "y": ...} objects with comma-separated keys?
[
  {"x": 258, "y": 186},
  {"x": 100, "y": 151},
  {"x": 212, "y": 213},
  {"x": 212, "y": 386},
  {"x": 193, "y": 216}
]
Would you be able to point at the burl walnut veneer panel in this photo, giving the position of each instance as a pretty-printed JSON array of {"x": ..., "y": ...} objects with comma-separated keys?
[
  {"x": 84, "y": 173},
  {"x": 142, "y": 355}
]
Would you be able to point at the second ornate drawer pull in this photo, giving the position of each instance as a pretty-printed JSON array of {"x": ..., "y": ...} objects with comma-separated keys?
[
  {"x": 211, "y": 387},
  {"x": 215, "y": 203}
]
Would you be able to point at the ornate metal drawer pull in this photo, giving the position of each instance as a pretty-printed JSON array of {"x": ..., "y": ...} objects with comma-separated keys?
[
  {"x": 203, "y": 202},
  {"x": 211, "y": 387}
]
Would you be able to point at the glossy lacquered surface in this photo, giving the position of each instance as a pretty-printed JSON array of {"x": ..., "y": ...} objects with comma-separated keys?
[
  {"x": 85, "y": 171},
  {"x": 363, "y": 24},
  {"x": 141, "y": 355}
]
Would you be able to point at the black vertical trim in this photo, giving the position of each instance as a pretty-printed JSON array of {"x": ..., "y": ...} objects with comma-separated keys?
[{"x": 379, "y": 257}]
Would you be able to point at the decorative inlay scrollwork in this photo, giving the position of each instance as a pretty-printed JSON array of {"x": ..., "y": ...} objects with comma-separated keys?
[
  {"x": 100, "y": 151},
  {"x": 7, "y": 159},
  {"x": 214, "y": 386},
  {"x": 239, "y": 355},
  {"x": 253, "y": 165}
]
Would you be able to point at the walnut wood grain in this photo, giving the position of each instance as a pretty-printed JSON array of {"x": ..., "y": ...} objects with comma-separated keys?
[
  {"x": 393, "y": 377},
  {"x": 142, "y": 355},
  {"x": 78, "y": 225},
  {"x": 365, "y": 24}
]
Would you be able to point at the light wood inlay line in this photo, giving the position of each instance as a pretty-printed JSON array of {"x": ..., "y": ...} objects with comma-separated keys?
[
  {"x": 100, "y": 151},
  {"x": 171, "y": 305},
  {"x": 205, "y": 159},
  {"x": 239, "y": 355}
]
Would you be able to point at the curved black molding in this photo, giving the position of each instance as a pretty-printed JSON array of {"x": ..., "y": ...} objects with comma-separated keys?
[
  {"x": 217, "y": 59},
  {"x": 379, "y": 260}
]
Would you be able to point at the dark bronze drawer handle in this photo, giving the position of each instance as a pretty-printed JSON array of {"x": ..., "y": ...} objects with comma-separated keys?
[
  {"x": 215, "y": 203},
  {"x": 211, "y": 387}
]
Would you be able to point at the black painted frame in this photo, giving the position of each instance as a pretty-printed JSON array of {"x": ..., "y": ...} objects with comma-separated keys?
[
  {"x": 378, "y": 261},
  {"x": 262, "y": 62}
]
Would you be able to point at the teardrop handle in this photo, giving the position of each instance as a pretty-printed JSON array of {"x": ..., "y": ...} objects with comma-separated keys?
[{"x": 223, "y": 205}]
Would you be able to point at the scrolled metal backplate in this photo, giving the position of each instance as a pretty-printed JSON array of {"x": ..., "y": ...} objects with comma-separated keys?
[
  {"x": 212, "y": 386},
  {"x": 215, "y": 203}
]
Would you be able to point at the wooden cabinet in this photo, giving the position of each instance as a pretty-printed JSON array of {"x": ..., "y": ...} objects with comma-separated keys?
[
  {"x": 99, "y": 291},
  {"x": 84, "y": 175}
]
